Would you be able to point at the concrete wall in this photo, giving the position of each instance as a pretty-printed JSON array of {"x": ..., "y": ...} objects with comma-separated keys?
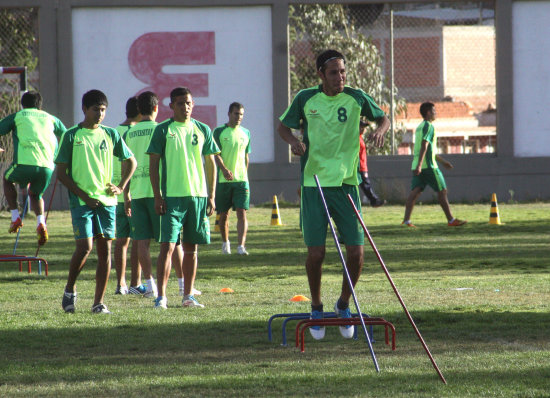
[{"x": 474, "y": 177}]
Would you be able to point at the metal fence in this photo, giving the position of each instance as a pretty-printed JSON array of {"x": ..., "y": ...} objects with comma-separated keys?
[
  {"x": 438, "y": 52},
  {"x": 18, "y": 47}
]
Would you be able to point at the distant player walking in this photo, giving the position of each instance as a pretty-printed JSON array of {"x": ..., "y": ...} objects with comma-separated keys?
[
  {"x": 425, "y": 169},
  {"x": 232, "y": 189}
]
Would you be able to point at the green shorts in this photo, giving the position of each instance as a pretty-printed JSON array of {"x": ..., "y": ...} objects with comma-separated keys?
[
  {"x": 38, "y": 177},
  {"x": 313, "y": 216},
  {"x": 122, "y": 222},
  {"x": 232, "y": 194},
  {"x": 147, "y": 221},
  {"x": 91, "y": 223},
  {"x": 432, "y": 177},
  {"x": 188, "y": 213}
]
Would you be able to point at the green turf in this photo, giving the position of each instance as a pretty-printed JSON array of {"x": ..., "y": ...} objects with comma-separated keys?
[{"x": 479, "y": 295}]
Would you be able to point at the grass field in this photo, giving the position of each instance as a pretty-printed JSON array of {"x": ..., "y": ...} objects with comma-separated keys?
[{"x": 479, "y": 295}]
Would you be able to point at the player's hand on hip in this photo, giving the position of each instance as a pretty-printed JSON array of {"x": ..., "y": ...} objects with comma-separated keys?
[{"x": 113, "y": 189}]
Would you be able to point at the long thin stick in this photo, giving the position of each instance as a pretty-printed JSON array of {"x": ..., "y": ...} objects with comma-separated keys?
[
  {"x": 396, "y": 291},
  {"x": 346, "y": 272}
]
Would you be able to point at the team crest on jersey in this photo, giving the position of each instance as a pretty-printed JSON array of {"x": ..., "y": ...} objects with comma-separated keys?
[
  {"x": 313, "y": 112},
  {"x": 78, "y": 142}
]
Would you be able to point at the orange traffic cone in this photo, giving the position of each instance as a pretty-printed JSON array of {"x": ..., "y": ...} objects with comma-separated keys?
[
  {"x": 275, "y": 216},
  {"x": 494, "y": 217}
]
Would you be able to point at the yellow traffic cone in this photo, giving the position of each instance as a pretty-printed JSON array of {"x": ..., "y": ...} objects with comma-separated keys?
[
  {"x": 494, "y": 217},
  {"x": 217, "y": 225},
  {"x": 275, "y": 217}
]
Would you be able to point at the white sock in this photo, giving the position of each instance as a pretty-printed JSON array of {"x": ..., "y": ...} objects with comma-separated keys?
[
  {"x": 14, "y": 215},
  {"x": 150, "y": 284},
  {"x": 407, "y": 222},
  {"x": 40, "y": 220},
  {"x": 180, "y": 283},
  {"x": 451, "y": 220}
]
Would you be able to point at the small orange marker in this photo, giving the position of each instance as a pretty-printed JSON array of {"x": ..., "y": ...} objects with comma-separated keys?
[
  {"x": 226, "y": 290},
  {"x": 299, "y": 297}
]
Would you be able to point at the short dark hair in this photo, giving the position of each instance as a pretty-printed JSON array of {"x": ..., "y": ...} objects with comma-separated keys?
[
  {"x": 146, "y": 102},
  {"x": 234, "y": 105},
  {"x": 94, "y": 97},
  {"x": 326, "y": 56},
  {"x": 425, "y": 108},
  {"x": 31, "y": 99},
  {"x": 179, "y": 91},
  {"x": 132, "y": 108}
]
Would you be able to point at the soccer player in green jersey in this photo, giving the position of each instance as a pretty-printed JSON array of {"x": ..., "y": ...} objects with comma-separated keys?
[
  {"x": 232, "y": 188},
  {"x": 329, "y": 115},
  {"x": 183, "y": 189},
  {"x": 35, "y": 134},
  {"x": 85, "y": 166},
  {"x": 139, "y": 192},
  {"x": 425, "y": 169},
  {"x": 122, "y": 220}
]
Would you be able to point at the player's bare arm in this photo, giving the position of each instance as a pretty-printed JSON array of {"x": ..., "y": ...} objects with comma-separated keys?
[
  {"x": 377, "y": 136},
  {"x": 445, "y": 163},
  {"x": 210, "y": 170},
  {"x": 154, "y": 162},
  {"x": 297, "y": 147},
  {"x": 225, "y": 171}
]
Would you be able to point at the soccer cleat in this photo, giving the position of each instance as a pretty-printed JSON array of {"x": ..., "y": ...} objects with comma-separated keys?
[
  {"x": 121, "y": 290},
  {"x": 242, "y": 251},
  {"x": 42, "y": 234},
  {"x": 161, "y": 303},
  {"x": 149, "y": 293},
  {"x": 194, "y": 292},
  {"x": 347, "y": 330},
  {"x": 409, "y": 224},
  {"x": 69, "y": 302},
  {"x": 317, "y": 332},
  {"x": 457, "y": 223},
  {"x": 100, "y": 309},
  {"x": 190, "y": 301},
  {"x": 15, "y": 226},
  {"x": 137, "y": 289},
  {"x": 226, "y": 248}
]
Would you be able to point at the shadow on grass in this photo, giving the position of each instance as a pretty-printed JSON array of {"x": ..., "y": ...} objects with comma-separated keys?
[{"x": 205, "y": 349}]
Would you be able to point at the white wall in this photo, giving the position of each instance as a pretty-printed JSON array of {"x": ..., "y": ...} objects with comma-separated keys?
[
  {"x": 238, "y": 64},
  {"x": 531, "y": 54}
]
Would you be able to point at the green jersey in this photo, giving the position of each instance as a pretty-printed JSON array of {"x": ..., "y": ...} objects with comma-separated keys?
[
  {"x": 331, "y": 127},
  {"x": 138, "y": 139},
  {"x": 181, "y": 146},
  {"x": 234, "y": 143},
  {"x": 121, "y": 128},
  {"x": 35, "y": 134},
  {"x": 425, "y": 132},
  {"x": 89, "y": 158}
]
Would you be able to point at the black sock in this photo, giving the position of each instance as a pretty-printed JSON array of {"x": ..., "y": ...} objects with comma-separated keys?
[
  {"x": 317, "y": 307},
  {"x": 341, "y": 304}
]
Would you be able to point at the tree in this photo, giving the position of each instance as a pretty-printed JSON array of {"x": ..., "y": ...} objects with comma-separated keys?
[{"x": 315, "y": 28}]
